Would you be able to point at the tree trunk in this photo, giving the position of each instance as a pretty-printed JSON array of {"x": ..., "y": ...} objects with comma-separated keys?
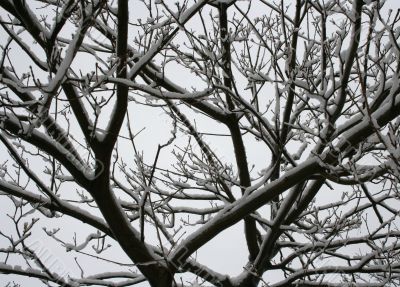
[{"x": 161, "y": 279}]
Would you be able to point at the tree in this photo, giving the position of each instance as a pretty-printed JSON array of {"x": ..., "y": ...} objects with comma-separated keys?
[{"x": 278, "y": 116}]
